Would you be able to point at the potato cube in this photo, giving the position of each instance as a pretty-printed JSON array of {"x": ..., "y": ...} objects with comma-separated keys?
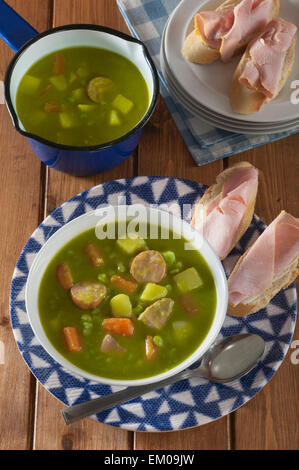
[
  {"x": 153, "y": 292},
  {"x": 60, "y": 82},
  {"x": 67, "y": 121},
  {"x": 122, "y": 104},
  {"x": 121, "y": 306},
  {"x": 182, "y": 330},
  {"x": 87, "y": 108},
  {"x": 114, "y": 119},
  {"x": 131, "y": 245},
  {"x": 30, "y": 84},
  {"x": 188, "y": 280}
]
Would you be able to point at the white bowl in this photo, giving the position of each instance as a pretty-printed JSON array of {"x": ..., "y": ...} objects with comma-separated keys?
[{"x": 90, "y": 220}]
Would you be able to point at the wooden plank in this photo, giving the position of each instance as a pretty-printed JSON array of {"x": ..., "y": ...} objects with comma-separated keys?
[
  {"x": 51, "y": 431},
  {"x": 74, "y": 12},
  {"x": 270, "y": 421},
  {"x": 212, "y": 436},
  {"x": 19, "y": 202},
  {"x": 162, "y": 152}
]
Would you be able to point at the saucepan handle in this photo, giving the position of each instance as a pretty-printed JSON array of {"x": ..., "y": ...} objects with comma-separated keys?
[{"x": 14, "y": 30}]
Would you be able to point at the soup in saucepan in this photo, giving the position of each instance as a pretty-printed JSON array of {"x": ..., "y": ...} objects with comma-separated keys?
[{"x": 82, "y": 96}]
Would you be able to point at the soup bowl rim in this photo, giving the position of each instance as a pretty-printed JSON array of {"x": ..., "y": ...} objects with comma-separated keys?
[
  {"x": 36, "y": 324},
  {"x": 93, "y": 148}
]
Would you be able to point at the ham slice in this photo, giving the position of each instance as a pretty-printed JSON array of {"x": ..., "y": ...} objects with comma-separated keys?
[
  {"x": 266, "y": 260},
  {"x": 225, "y": 29},
  {"x": 268, "y": 52},
  {"x": 225, "y": 213},
  {"x": 213, "y": 25}
]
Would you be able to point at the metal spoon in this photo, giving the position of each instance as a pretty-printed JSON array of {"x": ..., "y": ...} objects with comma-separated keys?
[{"x": 227, "y": 360}]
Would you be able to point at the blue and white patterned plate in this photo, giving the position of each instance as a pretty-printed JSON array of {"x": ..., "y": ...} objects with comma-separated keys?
[{"x": 182, "y": 405}]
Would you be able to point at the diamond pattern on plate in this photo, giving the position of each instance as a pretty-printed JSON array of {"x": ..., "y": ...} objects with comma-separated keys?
[{"x": 187, "y": 403}]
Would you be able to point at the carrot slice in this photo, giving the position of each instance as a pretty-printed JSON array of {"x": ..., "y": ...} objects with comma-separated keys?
[
  {"x": 52, "y": 108},
  {"x": 64, "y": 276},
  {"x": 124, "y": 284},
  {"x": 72, "y": 339},
  {"x": 94, "y": 256},
  {"x": 45, "y": 90},
  {"x": 151, "y": 349},
  {"x": 188, "y": 305},
  {"x": 59, "y": 63},
  {"x": 119, "y": 326}
]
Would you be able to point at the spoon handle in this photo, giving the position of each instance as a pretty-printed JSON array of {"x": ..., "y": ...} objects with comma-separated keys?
[{"x": 82, "y": 410}]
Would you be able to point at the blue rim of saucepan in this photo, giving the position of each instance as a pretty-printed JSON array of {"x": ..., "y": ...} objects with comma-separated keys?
[{"x": 112, "y": 143}]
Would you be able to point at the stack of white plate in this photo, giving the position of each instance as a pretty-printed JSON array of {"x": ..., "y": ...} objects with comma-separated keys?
[{"x": 203, "y": 89}]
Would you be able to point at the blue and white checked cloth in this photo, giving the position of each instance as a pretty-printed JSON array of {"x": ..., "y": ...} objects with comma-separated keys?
[{"x": 146, "y": 20}]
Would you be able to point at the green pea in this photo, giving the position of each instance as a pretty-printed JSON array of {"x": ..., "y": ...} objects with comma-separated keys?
[
  {"x": 121, "y": 267},
  {"x": 169, "y": 257},
  {"x": 103, "y": 277},
  {"x": 86, "y": 332},
  {"x": 179, "y": 265},
  {"x": 174, "y": 271},
  {"x": 158, "y": 340},
  {"x": 138, "y": 309},
  {"x": 95, "y": 311},
  {"x": 86, "y": 317}
]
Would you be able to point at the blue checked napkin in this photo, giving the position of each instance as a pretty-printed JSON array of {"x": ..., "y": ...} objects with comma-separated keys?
[{"x": 146, "y": 20}]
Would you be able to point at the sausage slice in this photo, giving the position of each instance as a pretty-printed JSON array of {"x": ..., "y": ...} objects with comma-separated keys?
[
  {"x": 148, "y": 266},
  {"x": 110, "y": 346},
  {"x": 98, "y": 87},
  {"x": 88, "y": 295},
  {"x": 155, "y": 315}
]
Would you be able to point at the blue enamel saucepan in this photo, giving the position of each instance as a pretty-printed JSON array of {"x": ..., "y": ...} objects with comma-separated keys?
[{"x": 31, "y": 46}]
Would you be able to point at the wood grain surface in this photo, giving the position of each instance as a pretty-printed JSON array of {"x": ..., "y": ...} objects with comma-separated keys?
[{"x": 30, "y": 416}]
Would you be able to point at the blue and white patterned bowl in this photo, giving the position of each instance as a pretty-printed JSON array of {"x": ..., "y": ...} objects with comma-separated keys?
[{"x": 187, "y": 403}]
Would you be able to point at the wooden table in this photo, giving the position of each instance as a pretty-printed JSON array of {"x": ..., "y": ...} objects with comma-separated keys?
[{"x": 30, "y": 416}]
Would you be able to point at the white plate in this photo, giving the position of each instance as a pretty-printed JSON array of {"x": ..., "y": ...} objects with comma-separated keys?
[
  {"x": 188, "y": 102},
  {"x": 209, "y": 84},
  {"x": 242, "y": 128},
  {"x": 213, "y": 121},
  {"x": 232, "y": 128}
]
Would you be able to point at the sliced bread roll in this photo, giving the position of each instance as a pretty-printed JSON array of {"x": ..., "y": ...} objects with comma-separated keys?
[
  {"x": 250, "y": 88},
  {"x": 225, "y": 211},
  {"x": 224, "y": 39},
  {"x": 269, "y": 265}
]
